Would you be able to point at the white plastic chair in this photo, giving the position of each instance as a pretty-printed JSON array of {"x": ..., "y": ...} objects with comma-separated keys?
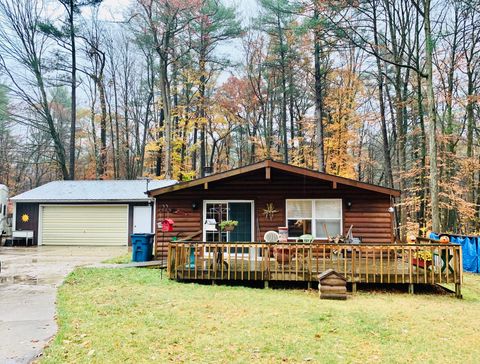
[{"x": 271, "y": 237}]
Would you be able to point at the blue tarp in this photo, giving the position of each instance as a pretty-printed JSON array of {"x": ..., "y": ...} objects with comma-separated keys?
[
  {"x": 470, "y": 250},
  {"x": 434, "y": 236}
]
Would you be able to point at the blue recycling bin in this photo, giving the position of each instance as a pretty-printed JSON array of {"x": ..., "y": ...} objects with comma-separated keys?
[{"x": 142, "y": 247}]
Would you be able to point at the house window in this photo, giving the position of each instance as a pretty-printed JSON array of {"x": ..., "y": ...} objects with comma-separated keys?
[
  {"x": 299, "y": 217},
  {"x": 316, "y": 217}
]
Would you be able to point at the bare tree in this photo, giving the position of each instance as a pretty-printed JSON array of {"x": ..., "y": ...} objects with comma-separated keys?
[
  {"x": 25, "y": 46},
  {"x": 94, "y": 43}
]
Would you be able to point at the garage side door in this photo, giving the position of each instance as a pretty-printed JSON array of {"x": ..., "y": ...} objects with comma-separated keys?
[{"x": 84, "y": 225}]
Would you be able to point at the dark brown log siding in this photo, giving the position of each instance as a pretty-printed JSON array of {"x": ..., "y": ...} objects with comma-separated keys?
[{"x": 368, "y": 214}]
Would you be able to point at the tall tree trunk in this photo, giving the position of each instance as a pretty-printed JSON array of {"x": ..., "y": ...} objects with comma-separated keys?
[
  {"x": 94, "y": 135},
  {"x": 126, "y": 115},
  {"x": 112, "y": 139},
  {"x": 432, "y": 117},
  {"x": 252, "y": 141},
  {"x": 117, "y": 131},
  {"x": 202, "y": 106},
  {"x": 116, "y": 141},
  {"x": 421, "y": 218},
  {"x": 73, "y": 111},
  {"x": 291, "y": 110},
  {"x": 284, "y": 90},
  {"x": 386, "y": 147},
  {"x": 318, "y": 93},
  {"x": 158, "y": 165},
  {"x": 471, "y": 126},
  {"x": 400, "y": 132},
  {"x": 103, "y": 125},
  {"x": 194, "y": 151},
  {"x": 165, "y": 98},
  {"x": 450, "y": 213},
  {"x": 269, "y": 117},
  {"x": 422, "y": 185},
  {"x": 146, "y": 124}
]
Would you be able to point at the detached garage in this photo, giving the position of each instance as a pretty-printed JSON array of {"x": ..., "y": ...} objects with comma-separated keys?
[{"x": 85, "y": 212}]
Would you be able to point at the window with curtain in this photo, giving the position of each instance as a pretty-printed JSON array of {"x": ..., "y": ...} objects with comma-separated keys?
[{"x": 317, "y": 217}]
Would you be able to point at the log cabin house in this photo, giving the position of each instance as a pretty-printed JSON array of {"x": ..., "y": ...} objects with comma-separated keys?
[{"x": 268, "y": 195}]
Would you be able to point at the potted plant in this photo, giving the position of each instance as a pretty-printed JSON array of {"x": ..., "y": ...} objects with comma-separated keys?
[
  {"x": 422, "y": 259},
  {"x": 228, "y": 225}
]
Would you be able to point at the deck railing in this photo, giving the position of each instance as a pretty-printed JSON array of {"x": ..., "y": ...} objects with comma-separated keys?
[{"x": 358, "y": 263}]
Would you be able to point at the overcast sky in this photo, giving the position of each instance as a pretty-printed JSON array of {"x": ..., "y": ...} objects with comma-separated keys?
[{"x": 113, "y": 9}]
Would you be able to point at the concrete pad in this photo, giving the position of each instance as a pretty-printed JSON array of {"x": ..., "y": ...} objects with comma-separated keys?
[
  {"x": 161, "y": 264},
  {"x": 29, "y": 278}
]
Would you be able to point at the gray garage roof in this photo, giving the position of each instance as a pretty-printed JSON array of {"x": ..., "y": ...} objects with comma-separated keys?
[{"x": 92, "y": 191}]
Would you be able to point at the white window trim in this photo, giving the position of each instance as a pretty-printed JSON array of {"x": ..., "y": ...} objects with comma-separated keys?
[
  {"x": 314, "y": 217},
  {"x": 205, "y": 202}
]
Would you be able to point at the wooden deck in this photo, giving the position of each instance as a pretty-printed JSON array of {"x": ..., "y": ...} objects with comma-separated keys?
[{"x": 364, "y": 263}]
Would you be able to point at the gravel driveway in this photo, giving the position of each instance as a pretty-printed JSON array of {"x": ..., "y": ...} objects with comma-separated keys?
[{"x": 29, "y": 279}]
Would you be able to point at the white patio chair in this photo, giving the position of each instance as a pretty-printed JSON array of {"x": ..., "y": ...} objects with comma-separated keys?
[{"x": 271, "y": 237}]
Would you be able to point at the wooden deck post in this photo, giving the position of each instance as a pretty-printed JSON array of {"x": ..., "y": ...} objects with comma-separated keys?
[
  {"x": 309, "y": 285},
  {"x": 411, "y": 288},
  {"x": 458, "y": 290},
  {"x": 265, "y": 284},
  {"x": 354, "y": 287}
]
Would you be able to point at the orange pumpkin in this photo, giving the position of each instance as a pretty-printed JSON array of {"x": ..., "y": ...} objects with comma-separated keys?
[{"x": 444, "y": 239}]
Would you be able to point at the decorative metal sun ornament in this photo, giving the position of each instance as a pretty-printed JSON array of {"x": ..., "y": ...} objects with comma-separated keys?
[
  {"x": 270, "y": 211},
  {"x": 25, "y": 218}
]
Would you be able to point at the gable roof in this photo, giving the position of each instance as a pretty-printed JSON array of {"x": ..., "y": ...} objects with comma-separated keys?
[
  {"x": 279, "y": 166},
  {"x": 328, "y": 273},
  {"x": 92, "y": 191}
]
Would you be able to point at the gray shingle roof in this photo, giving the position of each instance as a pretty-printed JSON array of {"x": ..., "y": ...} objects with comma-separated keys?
[{"x": 106, "y": 190}]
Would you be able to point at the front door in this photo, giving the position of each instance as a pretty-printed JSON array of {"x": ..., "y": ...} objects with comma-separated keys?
[
  {"x": 240, "y": 211},
  {"x": 142, "y": 219}
]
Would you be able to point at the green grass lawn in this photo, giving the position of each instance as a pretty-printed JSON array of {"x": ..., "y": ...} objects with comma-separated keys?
[{"x": 131, "y": 315}]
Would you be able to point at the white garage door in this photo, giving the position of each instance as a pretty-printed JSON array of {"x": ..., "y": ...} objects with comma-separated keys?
[{"x": 84, "y": 225}]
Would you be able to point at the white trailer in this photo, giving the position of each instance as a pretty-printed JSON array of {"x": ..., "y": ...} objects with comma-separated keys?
[{"x": 4, "y": 228}]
